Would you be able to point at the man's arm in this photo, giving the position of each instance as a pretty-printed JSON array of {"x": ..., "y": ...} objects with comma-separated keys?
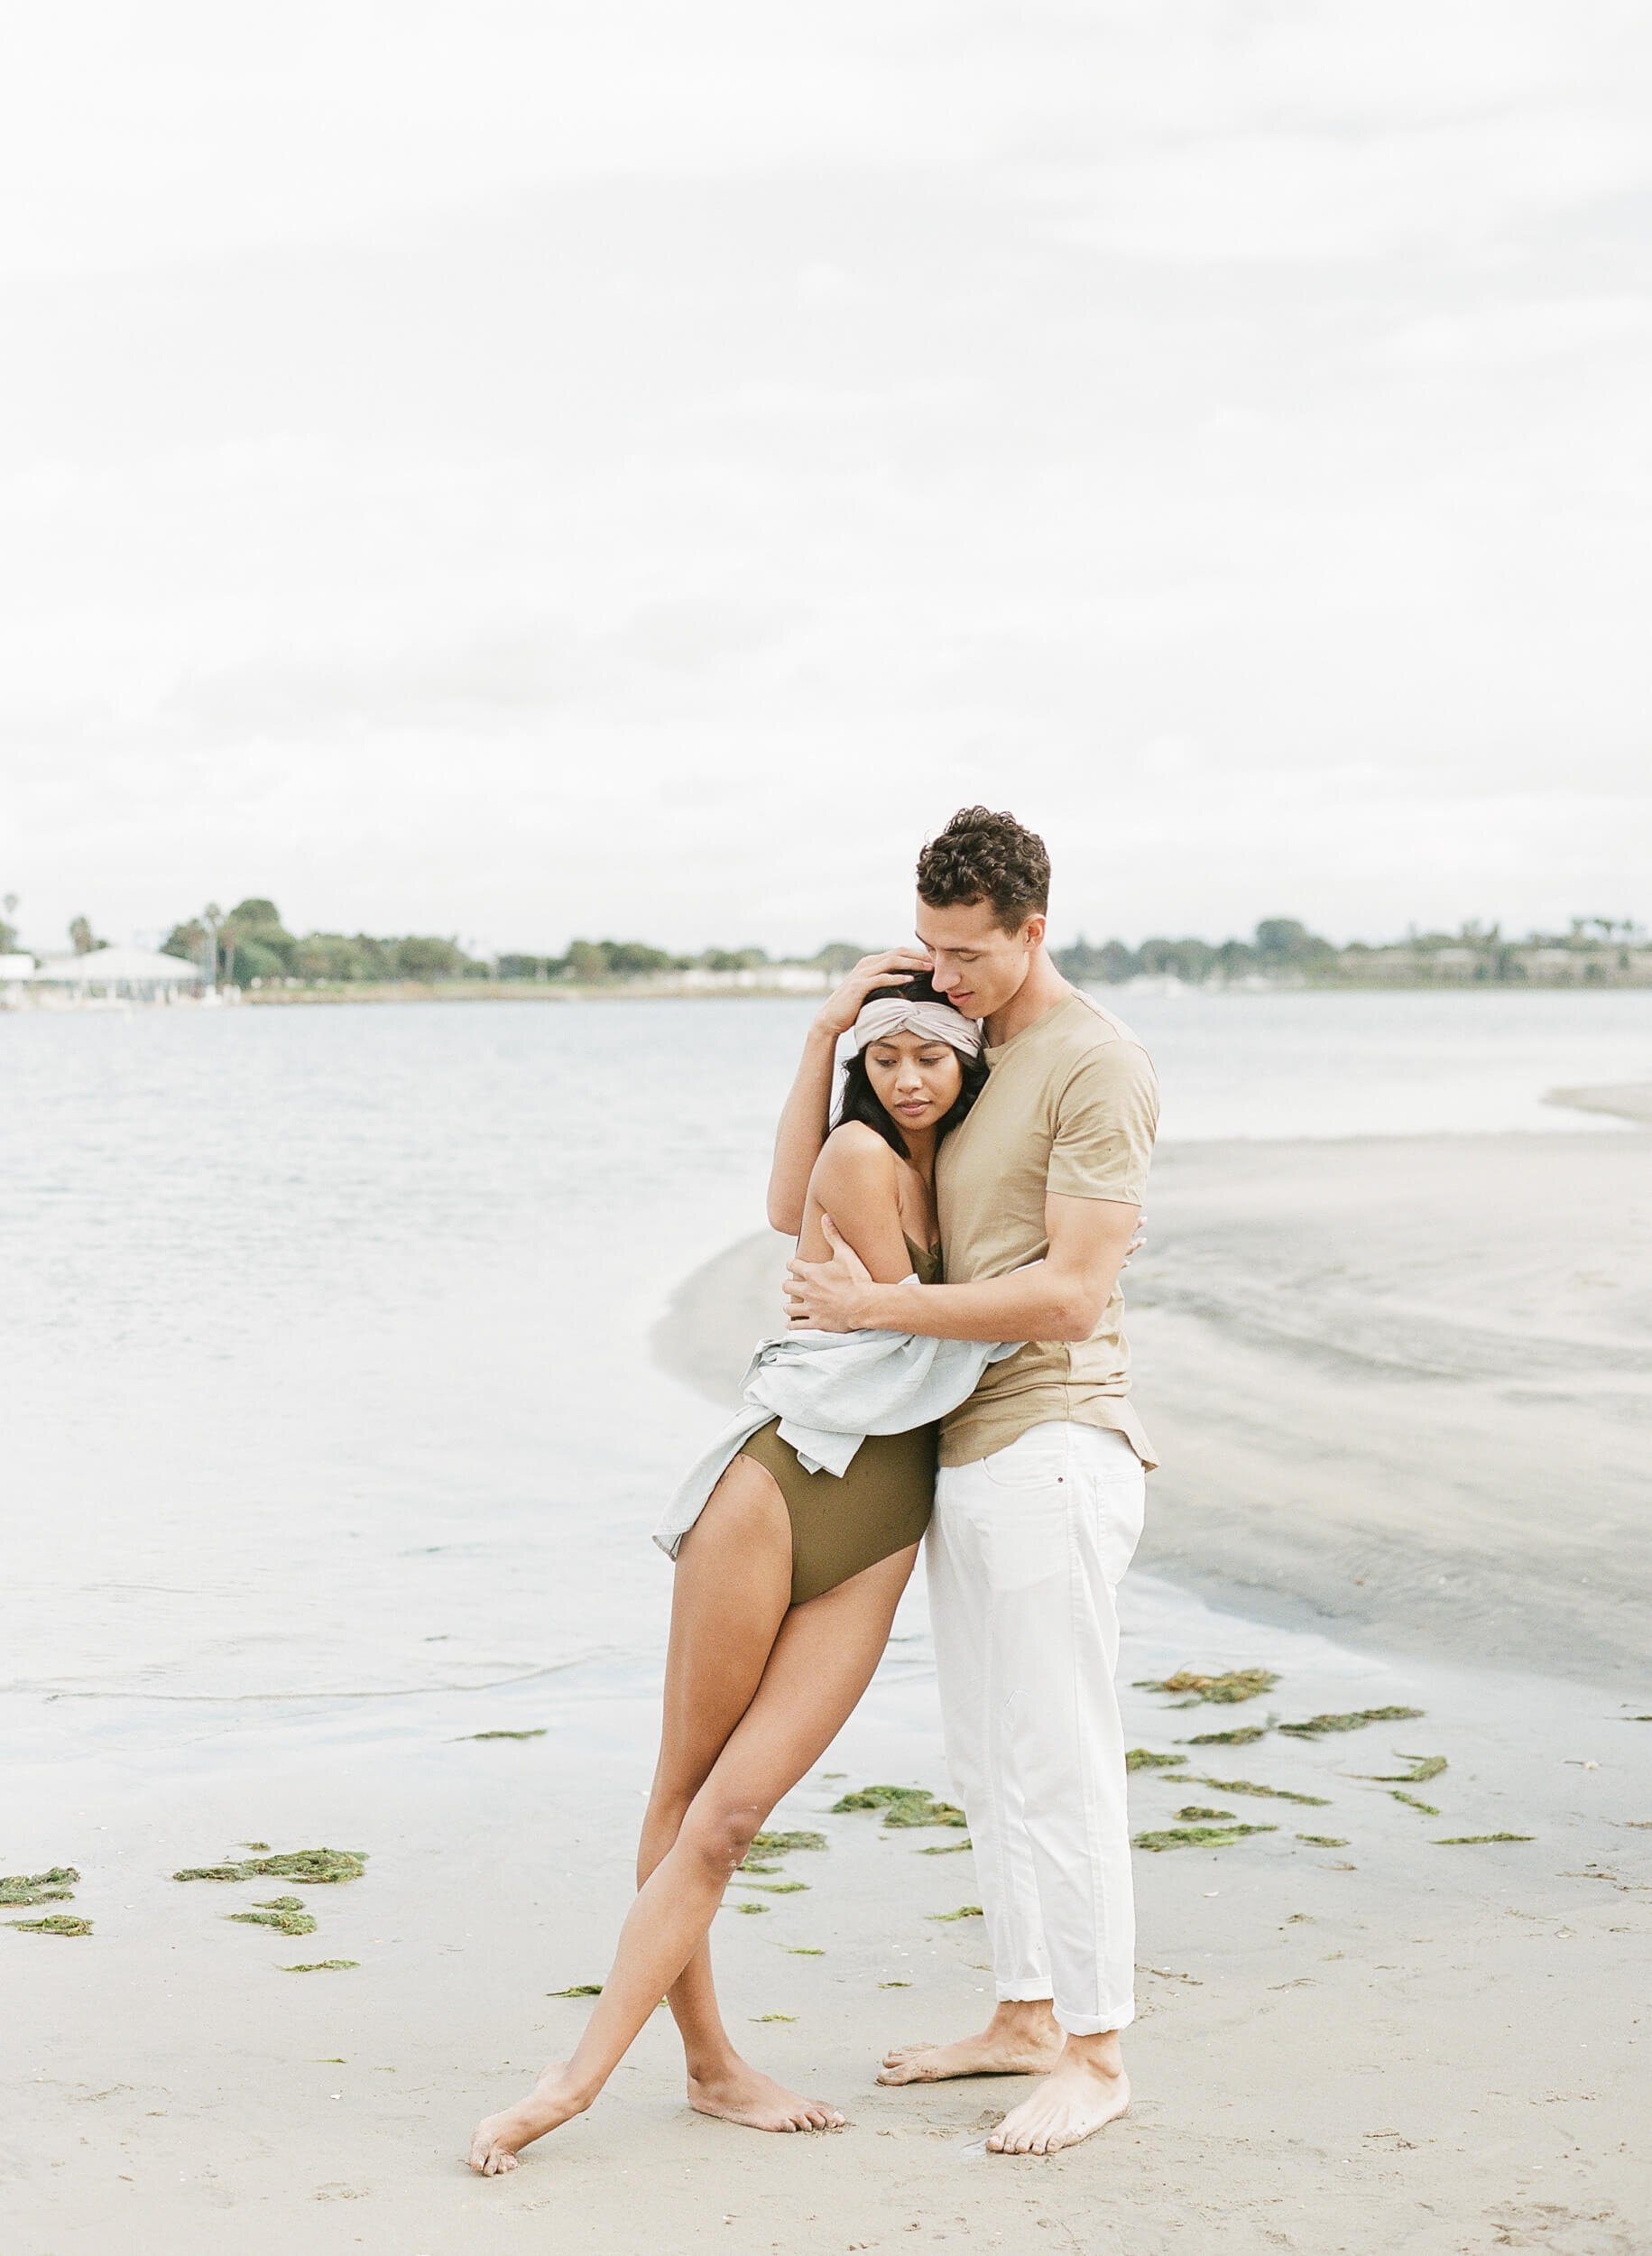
[
  {"x": 806, "y": 1113},
  {"x": 1060, "y": 1297}
]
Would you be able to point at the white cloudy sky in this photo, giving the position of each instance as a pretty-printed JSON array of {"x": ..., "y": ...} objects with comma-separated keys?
[{"x": 526, "y": 468}]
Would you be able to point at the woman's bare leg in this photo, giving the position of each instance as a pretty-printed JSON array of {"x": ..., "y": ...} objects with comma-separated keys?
[
  {"x": 822, "y": 1661},
  {"x": 733, "y": 1587}
]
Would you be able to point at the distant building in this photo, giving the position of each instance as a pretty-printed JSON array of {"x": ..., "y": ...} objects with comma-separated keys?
[{"x": 134, "y": 975}]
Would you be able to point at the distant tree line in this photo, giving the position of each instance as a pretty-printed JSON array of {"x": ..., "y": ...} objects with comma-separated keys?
[{"x": 249, "y": 945}]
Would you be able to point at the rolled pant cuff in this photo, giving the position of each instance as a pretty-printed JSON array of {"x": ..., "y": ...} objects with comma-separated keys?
[
  {"x": 1029, "y": 1993},
  {"x": 1096, "y": 2024}
]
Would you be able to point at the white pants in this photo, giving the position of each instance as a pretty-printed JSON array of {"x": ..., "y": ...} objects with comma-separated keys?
[{"x": 1026, "y": 1553}]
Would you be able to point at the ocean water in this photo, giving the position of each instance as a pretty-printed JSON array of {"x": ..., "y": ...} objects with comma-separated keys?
[{"x": 329, "y": 1417}]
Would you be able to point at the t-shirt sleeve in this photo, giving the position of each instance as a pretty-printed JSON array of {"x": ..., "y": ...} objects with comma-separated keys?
[{"x": 1105, "y": 1122}]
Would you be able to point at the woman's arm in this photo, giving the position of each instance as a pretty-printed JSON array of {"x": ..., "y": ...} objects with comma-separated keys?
[
  {"x": 855, "y": 1180},
  {"x": 805, "y": 1115}
]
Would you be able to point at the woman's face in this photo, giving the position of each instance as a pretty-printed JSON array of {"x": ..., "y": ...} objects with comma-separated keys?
[{"x": 915, "y": 1078}]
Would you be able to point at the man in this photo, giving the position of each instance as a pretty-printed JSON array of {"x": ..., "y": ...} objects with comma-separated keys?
[{"x": 1038, "y": 1501}]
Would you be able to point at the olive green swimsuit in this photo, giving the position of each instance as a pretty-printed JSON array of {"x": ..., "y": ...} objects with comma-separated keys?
[{"x": 879, "y": 1506}]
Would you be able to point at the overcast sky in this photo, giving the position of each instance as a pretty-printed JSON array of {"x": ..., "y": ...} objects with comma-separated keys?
[{"x": 523, "y": 468}]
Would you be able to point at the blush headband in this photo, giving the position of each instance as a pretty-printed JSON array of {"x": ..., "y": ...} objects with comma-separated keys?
[{"x": 887, "y": 1014}]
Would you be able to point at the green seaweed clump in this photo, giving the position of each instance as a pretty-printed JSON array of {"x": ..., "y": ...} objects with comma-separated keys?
[
  {"x": 963, "y": 1912},
  {"x": 61, "y": 1923},
  {"x": 1322, "y": 1840},
  {"x": 1424, "y": 1768},
  {"x": 777, "y": 1887},
  {"x": 1196, "y": 1810},
  {"x": 903, "y": 1806},
  {"x": 774, "y": 2017},
  {"x": 1197, "y": 1836},
  {"x": 803, "y": 1950},
  {"x": 322, "y": 1966},
  {"x": 1233, "y": 1685},
  {"x": 538, "y": 1733},
  {"x": 320, "y": 1867},
  {"x": 1411, "y": 1801},
  {"x": 1243, "y": 1736},
  {"x": 283, "y": 1922},
  {"x": 1250, "y": 1786},
  {"x": 579, "y": 1989},
  {"x": 747, "y": 1864},
  {"x": 783, "y": 1843},
  {"x": 1144, "y": 1759},
  {"x": 748, "y": 1907},
  {"x": 57, "y": 1886},
  {"x": 1464, "y": 1840},
  {"x": 947, "y": 1848},
  {"x": 1356, "y": 1720}
]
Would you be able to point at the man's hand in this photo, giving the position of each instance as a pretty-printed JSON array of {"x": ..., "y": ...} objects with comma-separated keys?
[
  {"x": 828, "y": 1296},
  {"x": 870, "y": 976}
]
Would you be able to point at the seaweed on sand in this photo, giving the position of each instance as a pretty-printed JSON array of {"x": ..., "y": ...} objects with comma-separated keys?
[
  {"x": 747, "y": 1864},
  {"x": 57, "y": 1886},
  {"x": 578, "y": 1989},
  {"x": 783, "y": 1843},
  {"x": 774, "y": 2017},
  {"x": 903, "y": 1806},
  {"x": 1322, "y": 1840},
  {"x": 1412, "y": 1802},
  {"x": 538, "y": 1733},
  {"x": 1423, "y": 1768},
  {"x": 804, "y": 1950},
  {"x": 284, "y": 1922},
  {"x": 1244, "y": 1735},
  {"x": 61, "y": 1923},
  {"x": 1250, "y": 1786},
  {"x": 320, "y": 1867},
  {"x": 1464, "y": 1840},
  {"x": 947, "y": 1848},
  {"x": 1197, "y": 1836},
  {"x": 1144, "y": 1759},
  {"x": 963, "y": 1912},
  {"x": 776, "y": 1886},
  {"x": 1194, "y": 1811},
  {"x": 1232, "y": 1686},
  {"x": 749, "y": 1908},
  {"x": 322, "y": 1966},
  {"x": 1355, "y": 1720}
]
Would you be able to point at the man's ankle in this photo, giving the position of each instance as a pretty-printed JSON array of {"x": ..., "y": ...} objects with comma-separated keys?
[
  {"x": 1103, "y": 2052},
  {"x": 1030, "y": 2018}
]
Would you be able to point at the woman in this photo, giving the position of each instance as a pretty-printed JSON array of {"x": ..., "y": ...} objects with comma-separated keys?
[{"x": 786, "y": 1584}]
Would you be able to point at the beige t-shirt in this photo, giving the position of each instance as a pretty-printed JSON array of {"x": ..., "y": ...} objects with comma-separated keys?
[{"x": 1071, "y": 1107}]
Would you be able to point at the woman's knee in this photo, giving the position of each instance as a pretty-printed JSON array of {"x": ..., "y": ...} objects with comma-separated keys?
[{"x": 718, "y": 1832}]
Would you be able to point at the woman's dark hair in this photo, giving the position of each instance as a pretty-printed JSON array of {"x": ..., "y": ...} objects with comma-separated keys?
[{"x": 857, "y": 1100}]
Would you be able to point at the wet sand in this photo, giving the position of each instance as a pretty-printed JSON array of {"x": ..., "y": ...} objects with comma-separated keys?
[
  {"x": 1367, "y": 1366},
  {"x": 1402, "y": 1387}
]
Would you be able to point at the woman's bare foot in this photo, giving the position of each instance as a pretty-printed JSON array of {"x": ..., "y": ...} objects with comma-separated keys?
[
  {"x": 1022, "y": 2039},
  {"x": 1082, "y": 2093},
  {"x": 498, "y": 2140},
  {"x": 739, "y": 2093}
]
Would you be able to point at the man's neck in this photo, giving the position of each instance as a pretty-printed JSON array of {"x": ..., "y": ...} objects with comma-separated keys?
[{"x": 1042, "y": 989}]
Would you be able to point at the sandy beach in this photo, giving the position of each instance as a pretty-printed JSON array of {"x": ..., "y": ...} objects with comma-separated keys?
[{"x": 1401, "y": 1392}]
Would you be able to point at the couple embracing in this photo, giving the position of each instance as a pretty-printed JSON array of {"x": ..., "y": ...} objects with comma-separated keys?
[{"x": 993, "y": 1130}]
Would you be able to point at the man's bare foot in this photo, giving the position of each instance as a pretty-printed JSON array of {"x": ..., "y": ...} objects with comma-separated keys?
[
  {"x": 1082, "y": 2093},
  {"x": 1022, "y": 2039},
  {"x": 741, "y": 2095},
  {"x": 497, "y": 2140}
]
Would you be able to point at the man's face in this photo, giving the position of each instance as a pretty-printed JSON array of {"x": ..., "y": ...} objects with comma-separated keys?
[{"x": 978, "y": 966}]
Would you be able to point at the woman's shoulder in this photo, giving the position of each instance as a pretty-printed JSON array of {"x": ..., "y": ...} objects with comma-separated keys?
[{"x": 854, "y": 1148}]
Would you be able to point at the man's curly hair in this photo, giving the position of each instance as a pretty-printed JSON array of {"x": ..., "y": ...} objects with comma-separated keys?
[{"x": 983, "y": 857}]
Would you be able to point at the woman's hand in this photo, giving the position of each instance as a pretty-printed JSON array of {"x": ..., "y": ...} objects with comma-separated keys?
[{"x": 894, "y": 968}]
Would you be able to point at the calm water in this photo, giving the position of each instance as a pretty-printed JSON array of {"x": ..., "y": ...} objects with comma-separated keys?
[{"x": 329, "y": 1413}]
